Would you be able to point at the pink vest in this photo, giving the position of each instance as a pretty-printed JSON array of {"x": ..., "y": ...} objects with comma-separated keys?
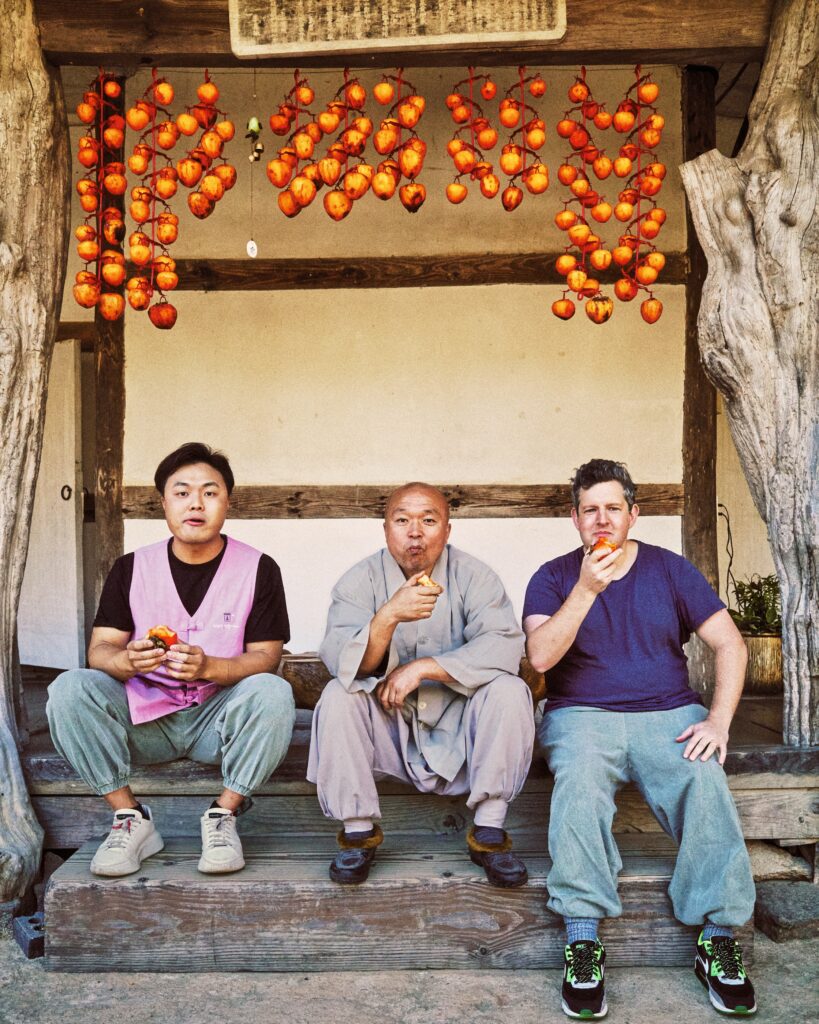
[{"x": 218, "y": 626}]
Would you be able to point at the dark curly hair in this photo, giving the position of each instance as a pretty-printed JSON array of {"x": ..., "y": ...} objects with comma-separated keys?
[
  {"x": 187, "y": 455},
  {"x": 600, "y": 471}
]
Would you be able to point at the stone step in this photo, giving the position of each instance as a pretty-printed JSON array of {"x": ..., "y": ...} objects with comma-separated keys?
[{"x": 425, "y": 906}]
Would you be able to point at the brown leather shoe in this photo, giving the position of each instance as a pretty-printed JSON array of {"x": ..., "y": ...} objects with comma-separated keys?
[{"x": 351, "y": 865}]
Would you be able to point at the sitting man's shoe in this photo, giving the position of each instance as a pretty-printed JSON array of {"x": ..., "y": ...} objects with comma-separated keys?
[
  {"x": 719, "y": 967},
  {"x": 132, "y": 838},
  {"x": 503, "y": 868},
  {"x": 221, "y": 846},
  {"x": 351, "y": 865},
  {"x": 584, "y": 988}
]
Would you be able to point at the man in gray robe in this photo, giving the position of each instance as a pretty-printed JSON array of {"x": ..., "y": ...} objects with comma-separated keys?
[{"x": 425, "y": 690}]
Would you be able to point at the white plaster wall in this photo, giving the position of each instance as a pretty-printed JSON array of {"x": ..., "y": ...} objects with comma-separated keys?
[
  {"x": 468, "y": 385},
  {"x": 314, "y": 553}
]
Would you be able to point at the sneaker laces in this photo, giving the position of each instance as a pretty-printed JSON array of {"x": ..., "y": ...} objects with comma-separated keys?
[
  {"x": 583, "y": 961},
  {"x": 728, "y": 956},
  {"x": 121, "y": 833},
  {"x": 220, "y": 830}
]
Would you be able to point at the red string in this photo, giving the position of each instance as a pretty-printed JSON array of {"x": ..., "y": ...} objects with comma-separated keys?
[
  {"x": 639, "y": 162},
  {"x": 400, "y": 84},
  {"x": 471, "y": 109},
  {"x": 153, "y": 172},
  {"x": 100, "y": 173},
  {"x": 521, "y": 73}
]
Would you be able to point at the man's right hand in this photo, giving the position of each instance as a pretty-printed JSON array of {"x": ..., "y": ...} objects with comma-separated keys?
[
  {"x": 144, "y": 656},
  {"x": 412, "y": 602},
  {"x": 597, "y": 569}
]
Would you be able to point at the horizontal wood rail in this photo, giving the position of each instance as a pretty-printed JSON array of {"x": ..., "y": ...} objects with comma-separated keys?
[
  {"x": 391, "y": 272},
  {"x": 84, "y": 331},
  {"x": 193, "y": 33},
  {"x": 468, "y": 501},
  {"x": 452, "y": 270}
]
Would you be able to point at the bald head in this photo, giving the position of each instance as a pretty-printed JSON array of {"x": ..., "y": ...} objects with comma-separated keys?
[
  {"x": 434, "y": 497},
  {"x": 416, "y": 526}
]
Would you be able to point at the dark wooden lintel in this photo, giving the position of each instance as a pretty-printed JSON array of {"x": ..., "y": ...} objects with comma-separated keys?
[
  {"x": 193, "y": 33},
  {"x": 390, "y": 272},
  {"x": 469, "y": 501}
]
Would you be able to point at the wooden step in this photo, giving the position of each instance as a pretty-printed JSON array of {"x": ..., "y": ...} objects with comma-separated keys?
[
  {"x": 776, "y": 790},
  {"x": 425, "y": 906}
]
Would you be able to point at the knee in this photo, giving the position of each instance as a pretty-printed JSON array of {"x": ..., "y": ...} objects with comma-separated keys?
[
  {"x": 68, "y": 691},
  {"x": 269, "y": 696},
  {"x": 336, "y": 702},
  {"x": 509, "y": 693},
  {"x": 580, "y": 773}
]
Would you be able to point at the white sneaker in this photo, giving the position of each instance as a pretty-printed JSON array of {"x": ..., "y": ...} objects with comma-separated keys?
[
  {"x": 221, "y": 846},
  {"x": 132, "y": 838}
]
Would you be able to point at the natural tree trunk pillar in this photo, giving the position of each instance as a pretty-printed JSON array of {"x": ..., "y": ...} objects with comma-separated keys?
[
  {"x": 34, "y": 224},
  {"x": 757, "y": 218}
]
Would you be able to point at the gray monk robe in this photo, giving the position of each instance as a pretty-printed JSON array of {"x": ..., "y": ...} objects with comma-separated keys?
[{"x": 474, "y": 734}]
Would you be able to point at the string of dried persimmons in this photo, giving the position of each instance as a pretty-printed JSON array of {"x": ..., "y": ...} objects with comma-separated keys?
[
  {"x": 299, "y": 171},
  {"x": 157, "y": 226},
  {"x": 639, "y": 260}
]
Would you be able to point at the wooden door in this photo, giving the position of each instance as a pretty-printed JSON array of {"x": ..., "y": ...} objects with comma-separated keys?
[{"x": 50, "y": 616}]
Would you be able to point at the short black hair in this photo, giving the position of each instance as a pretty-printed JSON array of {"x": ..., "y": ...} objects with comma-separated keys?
[
  {"x": 187, "y": 455},
  {"x": 600, "y": 471}
]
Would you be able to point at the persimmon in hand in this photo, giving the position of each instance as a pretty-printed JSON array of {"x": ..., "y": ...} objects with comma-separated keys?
[{"x": 162, "y": 636}]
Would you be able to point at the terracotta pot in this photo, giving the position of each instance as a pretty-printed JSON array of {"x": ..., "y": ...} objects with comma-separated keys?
[{"x": 764, "y": 672}]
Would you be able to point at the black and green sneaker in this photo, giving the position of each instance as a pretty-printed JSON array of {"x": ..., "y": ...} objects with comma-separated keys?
[
  {"x": 584, "y": 992},
  {"x": 719, "y": 967}
]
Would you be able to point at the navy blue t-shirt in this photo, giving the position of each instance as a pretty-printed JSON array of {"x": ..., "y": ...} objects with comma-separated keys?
[{"x": 627, "y": 655}]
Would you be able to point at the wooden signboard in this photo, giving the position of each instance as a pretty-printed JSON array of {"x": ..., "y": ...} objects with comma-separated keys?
[{"x": 270, "y": 28}]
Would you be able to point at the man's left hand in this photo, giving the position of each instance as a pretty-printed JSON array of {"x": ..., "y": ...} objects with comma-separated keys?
[
  {"x": 401, "y": 681},
  {"x": 704, "y": 739},
  {"x": 185, "y": 662}
]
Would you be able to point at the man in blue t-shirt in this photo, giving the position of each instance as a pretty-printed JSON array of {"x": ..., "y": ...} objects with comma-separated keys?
[{"x": 607, "y": 622}]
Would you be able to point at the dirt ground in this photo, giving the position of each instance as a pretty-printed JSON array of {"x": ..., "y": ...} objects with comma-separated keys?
[{"x": 786, "y": 976}]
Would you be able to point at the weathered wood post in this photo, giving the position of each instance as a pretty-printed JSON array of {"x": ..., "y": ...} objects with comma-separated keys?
[
  {"x": 757, "y": 218},
  {"x": 34, "y": 224}
]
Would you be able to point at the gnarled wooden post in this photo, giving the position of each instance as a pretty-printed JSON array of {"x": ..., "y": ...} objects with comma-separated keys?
[
  {"x": 34, "y": 223},
  {"x": 757, "y": 218}
]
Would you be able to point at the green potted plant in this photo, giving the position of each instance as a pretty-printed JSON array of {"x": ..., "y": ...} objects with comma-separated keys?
[{"x": 758, "y": 616}]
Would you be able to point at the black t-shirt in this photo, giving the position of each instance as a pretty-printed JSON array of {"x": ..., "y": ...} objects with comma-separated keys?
[{"x": 268, "y": 613}]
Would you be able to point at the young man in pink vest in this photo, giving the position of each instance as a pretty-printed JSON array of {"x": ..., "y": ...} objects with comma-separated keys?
[{"x": 212, "y": 696}]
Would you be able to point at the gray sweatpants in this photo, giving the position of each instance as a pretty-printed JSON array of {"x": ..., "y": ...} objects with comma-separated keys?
[
  {"x": 592, "y": 753},
  {"x": 355, "y": 741},
  {"x": 245, "y": 728}
]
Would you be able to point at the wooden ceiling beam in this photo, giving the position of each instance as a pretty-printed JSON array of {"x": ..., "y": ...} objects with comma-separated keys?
[{"x": 190, "y": 33}]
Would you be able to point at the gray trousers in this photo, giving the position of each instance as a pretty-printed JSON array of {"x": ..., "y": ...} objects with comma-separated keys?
[
  {"x": 591, "y": 754},
  {"x": 245, "y": 728},
  {"x": 355, "y": 741}
]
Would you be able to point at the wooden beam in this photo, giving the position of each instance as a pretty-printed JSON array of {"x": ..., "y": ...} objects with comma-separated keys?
[
  {"x": 699, "y": 396},
  {"x": 469, "y": 501},
  {"x": 190, "y": 33},
  {"x": 109, "y": 388},
  {"x": 390, "y": 272},
  {"x": 85, "y": 331},
  {"x": 699, "y": 441}
]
